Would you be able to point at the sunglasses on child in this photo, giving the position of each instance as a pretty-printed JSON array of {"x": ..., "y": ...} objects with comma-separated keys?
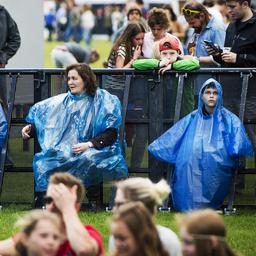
[{"x": 188, "y": 12}]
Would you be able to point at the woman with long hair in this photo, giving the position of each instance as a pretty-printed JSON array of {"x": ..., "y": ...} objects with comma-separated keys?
[
  {"x": 151, "y": 195},
  {"x": 128, "y": 47},
  {"x": 134, "y": 232}
]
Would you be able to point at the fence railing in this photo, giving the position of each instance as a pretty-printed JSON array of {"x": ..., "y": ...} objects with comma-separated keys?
[{"x": 151, "y": 104}]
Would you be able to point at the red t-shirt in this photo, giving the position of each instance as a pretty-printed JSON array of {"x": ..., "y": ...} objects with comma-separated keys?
[{"x": 66, "y": 250}]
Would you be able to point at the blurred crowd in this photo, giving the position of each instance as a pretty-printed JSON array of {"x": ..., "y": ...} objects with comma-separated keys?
[{"x": 67, "y": 21}]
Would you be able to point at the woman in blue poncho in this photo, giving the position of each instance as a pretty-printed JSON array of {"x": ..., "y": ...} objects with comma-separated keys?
[
  {"x": 78, "y": 133},
  {"x": 204, "y": 147}
]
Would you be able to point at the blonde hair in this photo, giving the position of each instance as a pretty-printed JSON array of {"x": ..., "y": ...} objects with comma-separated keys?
[
  {"x": 28, "y": 222},
  {"x": 144, "y": 190}
]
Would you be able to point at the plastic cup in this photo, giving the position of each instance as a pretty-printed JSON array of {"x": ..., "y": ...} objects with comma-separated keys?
[{"x": 226, "y": 49}]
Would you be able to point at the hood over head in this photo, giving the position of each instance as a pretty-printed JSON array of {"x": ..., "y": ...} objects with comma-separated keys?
[{"x": 219, "y": 98}]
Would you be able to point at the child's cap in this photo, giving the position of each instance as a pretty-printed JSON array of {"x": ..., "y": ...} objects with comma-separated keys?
[{"x": 169, "y": 43}]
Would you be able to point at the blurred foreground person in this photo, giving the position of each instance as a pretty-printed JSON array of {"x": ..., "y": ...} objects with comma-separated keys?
[
  {"x": 151, "y": 195},
  {"x": 134, "y": 232},
  {"x": 64, "y": 197},
  {"x": 41, "y": 234},
  {"x": 204, "y": 147},
  {"x": 78, "y": 134},
  {"x": 203, "y": 233}
]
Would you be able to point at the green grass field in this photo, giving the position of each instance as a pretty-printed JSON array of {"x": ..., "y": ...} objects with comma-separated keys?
[{"x": 241, "y": 227}]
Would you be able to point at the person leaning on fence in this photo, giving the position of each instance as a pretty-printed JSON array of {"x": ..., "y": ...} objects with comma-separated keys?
[
  {"x": 204, "y": 147},
  {"x": 78, "y": 134},
  {"x": 134, "y": 232},
  {"x": 123, "y": 53},
  {"x": 151, "y": 195},
  {"x": 203, "y": 233},
  {"x": 64, "y": 197},
  {"x": 41, "y": 234},
  {"x": 167, "y": 57},
  {"x": 71, "y": 53}
]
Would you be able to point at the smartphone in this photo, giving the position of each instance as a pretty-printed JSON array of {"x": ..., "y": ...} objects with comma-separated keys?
[{"x": 213, "y": 46}]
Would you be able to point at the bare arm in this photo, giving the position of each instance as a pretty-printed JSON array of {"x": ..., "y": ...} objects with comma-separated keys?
[
  {"x": 79, "y": 238},
  {"x": 120, "y": 60},
  {"x": 7, "y": 246}
]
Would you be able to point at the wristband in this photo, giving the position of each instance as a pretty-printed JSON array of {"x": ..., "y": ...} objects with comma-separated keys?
[{"x": 90, "y": 145}]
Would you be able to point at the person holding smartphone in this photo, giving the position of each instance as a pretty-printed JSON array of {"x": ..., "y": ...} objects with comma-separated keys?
[{"x": 207, "y": 28}]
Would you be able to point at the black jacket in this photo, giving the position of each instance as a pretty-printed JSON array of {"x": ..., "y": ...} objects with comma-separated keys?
[
  {"x": 9, "y": 36},
  {"x": 241, "y": 37}
]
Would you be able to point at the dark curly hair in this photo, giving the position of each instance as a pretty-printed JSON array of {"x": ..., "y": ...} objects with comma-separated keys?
[
  {"x": 158, "y": 16},
  {"x": 86, "y": 74}
]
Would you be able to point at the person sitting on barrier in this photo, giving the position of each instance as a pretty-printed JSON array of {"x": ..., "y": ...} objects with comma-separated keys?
[
  {"x": 166, "y": 57},
  {"x": 78, "y": 134},
  {"x": 203, "y": 233},
  {"x": 204, "y": 147},
  {"x": 151, "y": 195},
  {"x": 41, "y": 234},
  {"x": 71, "y": 53},
  {"x": 134, "y": 232},
  {"x": 64, "y": 197}
]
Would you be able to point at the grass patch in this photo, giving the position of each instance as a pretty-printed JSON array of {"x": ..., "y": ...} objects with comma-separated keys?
[{"x": 241, "y": 226}]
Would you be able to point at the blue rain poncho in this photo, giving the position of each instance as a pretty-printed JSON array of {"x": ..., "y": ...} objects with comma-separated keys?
[
  {"x": 204, "y": 150},
  {"x": 3, "y": 127},
  {"x": 65, "y": 120}
]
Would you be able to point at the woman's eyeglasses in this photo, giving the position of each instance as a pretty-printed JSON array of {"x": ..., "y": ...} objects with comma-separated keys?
[
  {"x": 189, "y": 12},
  {"x": 47, "y": 200}
]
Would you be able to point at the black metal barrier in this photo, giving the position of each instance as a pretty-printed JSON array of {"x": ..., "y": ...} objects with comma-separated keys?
[{"x": 151, "y": 104}]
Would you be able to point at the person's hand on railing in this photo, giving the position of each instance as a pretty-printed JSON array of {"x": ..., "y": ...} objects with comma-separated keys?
[
  {"x": 162, "y": 70},
  {"x": 25, "y": 132}
]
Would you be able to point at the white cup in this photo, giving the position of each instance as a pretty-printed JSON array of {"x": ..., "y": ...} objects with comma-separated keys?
[{"x": 226, "y": 49}]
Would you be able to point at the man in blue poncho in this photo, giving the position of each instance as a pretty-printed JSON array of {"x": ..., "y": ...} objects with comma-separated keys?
[
  {"x": 78, "y": 133},
  {"x": 204, "y": 147}
]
